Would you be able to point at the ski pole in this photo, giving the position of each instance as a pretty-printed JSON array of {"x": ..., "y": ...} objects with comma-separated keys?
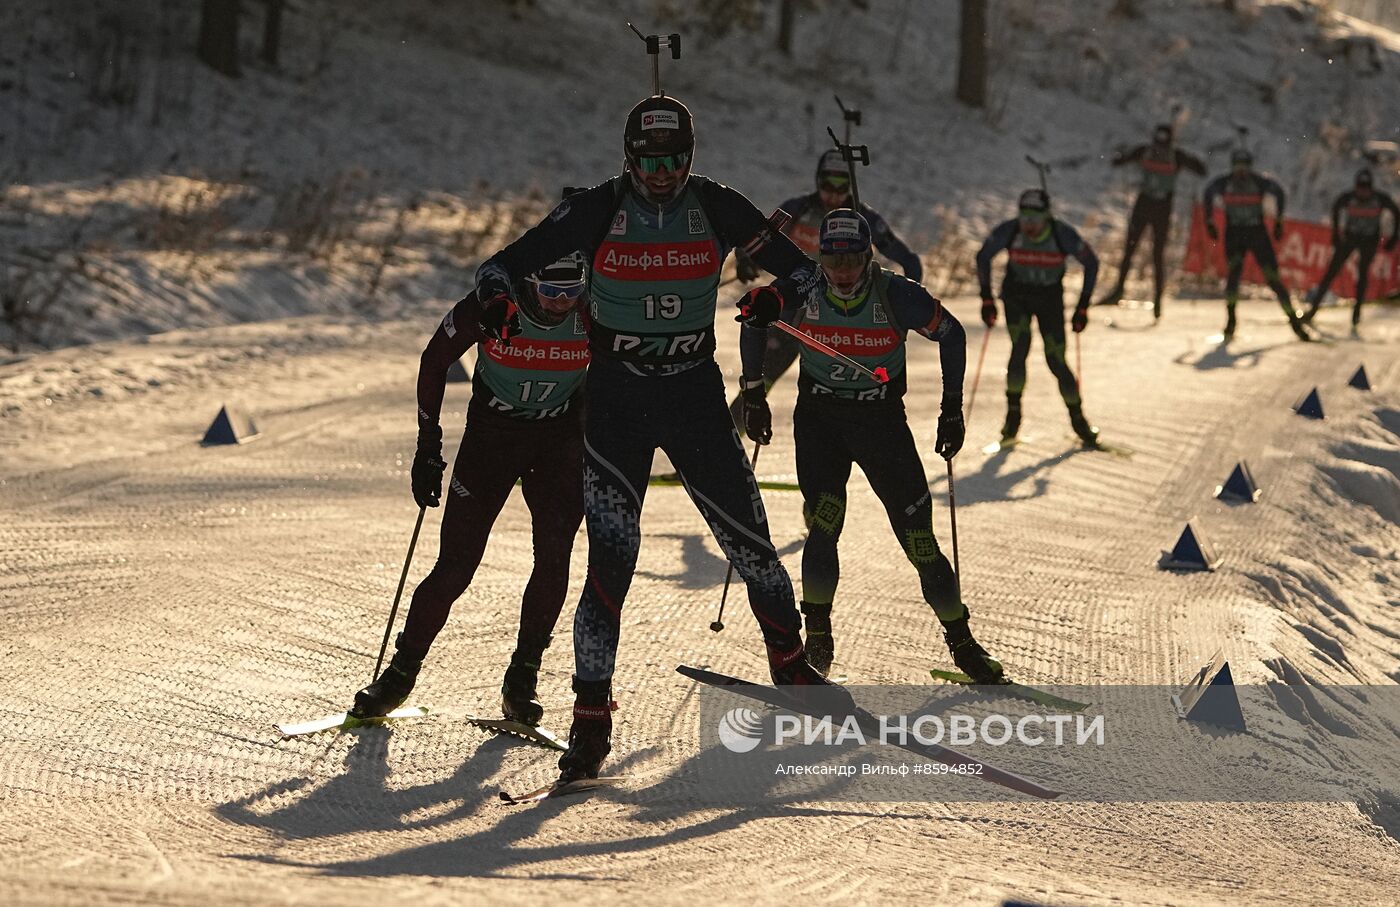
[
  {"x": 977, "y": 376},
  {"x": 1078, "y": 365},
  {"x": 878, "y": 374},
  {"x": 393, "y": 612},
  {"x": 953, "y": 519},
  {"x": 718, "y": 623}
]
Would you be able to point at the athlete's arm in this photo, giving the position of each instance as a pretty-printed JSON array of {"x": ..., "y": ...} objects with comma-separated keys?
[
  {"x": 1185, "y": 160},
  {"x": 1388, "y": 204},
  {"x": 915, "y": 309},
  {"x": 458, "y": 331},
  {"x": 1272, "y": 187},
  {"x": 1127, "y": 157},
  {"x": 741, "y": 226},
  {"x": 891, "y": 246},
  {"x": 1074, "y": 244},
  {"x": 1338, "y": 207},
  {"x": 578, "y": 223},
  {"x": 999, "y": 240}
]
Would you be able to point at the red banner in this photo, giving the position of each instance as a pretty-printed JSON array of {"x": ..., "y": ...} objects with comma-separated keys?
[{"x": 1303, "y": 255}]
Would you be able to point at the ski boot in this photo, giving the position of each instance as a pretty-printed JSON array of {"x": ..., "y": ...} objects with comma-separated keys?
[
  {"x": 518, "y": 702},
  {"x": 590, "y": 736},
  {"x": 1229, "y": 331},
  {"x": 794, "y": 674},
  {"x": 389, "y": 689},
  {"x": 1087, "y": 433},
  {"x": 1012, "y": 425},
  {"x": 820, "y": 646},
  {"x": 968, "y": 655}
]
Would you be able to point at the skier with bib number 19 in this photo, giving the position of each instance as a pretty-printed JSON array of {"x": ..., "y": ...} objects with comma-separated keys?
[
  {"x": 656, "y": 237},
  {"x": 845, "y": 417}
]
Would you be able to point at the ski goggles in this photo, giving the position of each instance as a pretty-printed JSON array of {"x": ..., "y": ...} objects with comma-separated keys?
[
  {"x": 655, "y": 163},
  {"x": 835, "y": 183},
  {"x": 844, "y": 261},
  {"x": 572, "y": 290},
  {"x": 1032, "y": 214}
]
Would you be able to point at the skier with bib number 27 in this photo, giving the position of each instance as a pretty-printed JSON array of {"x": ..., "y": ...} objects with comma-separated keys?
[
  {"x": 1038, "y": 245},
  {"x": 523, "y": 422},
  {"x": 845, "y": 417},
  {"x": 657, "y": 237}
]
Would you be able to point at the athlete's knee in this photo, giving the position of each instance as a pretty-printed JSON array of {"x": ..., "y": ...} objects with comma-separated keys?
[
  {"x": 826, "y": 515},
  {"x": 452, "y": 574}
]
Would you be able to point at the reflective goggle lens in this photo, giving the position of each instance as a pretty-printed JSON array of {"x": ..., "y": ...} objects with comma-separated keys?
[
  {"x": 843, "y": 261},
  {"x": 560, "y": 290},
  {"x": 657, "y": 163},
  {"x": 836, "y": 183}
]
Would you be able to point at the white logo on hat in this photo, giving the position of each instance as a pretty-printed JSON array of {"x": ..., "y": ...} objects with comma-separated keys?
[
  {"x": 660, "y": 119},
  {"x": 843, "y": 226}
]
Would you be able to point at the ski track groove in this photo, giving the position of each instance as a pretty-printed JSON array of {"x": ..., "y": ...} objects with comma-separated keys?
[{"x": 143, "y": 750}]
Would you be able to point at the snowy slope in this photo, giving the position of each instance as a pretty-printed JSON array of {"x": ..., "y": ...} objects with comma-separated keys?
[{"x": 397, "y": 144}]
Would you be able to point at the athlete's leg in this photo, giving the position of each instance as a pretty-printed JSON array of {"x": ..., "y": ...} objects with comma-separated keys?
[
  {"x": 553, "y": 490},
  {"x": 1018, "y": 325},
  {"x": 1340, "y": 253},
  {"x": 1137, "y": 222},
  {"x": 701, "y": 442},
  {"x": 1366, "y": 253},
  {"x": 488, "y": 463},
  {"x": 1235, "y": 247},
  {"x": 1050, "y": 318},
  {"x": 1161, "y": 229}
]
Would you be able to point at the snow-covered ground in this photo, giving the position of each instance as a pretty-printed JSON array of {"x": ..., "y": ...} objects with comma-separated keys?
[{"x": 164, "y": 604}]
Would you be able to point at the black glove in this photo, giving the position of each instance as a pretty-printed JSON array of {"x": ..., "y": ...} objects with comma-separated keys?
[
  {"x": 1278, "y": 229},
  {"x": 745, "y": 269},
  {"x": 428, "y": 467},
  {"x": 950, "y": 433},
  {"x": 758, "y": 418},
  {"x": 760, "y": 307},
  {"x": 989, "y": 311},
  {"x": 500, "y": 320},
  {"x": 1390, "y": 243},
  {"x": 1213, "y": 233},
  {"x": 1081, "y": 318}
]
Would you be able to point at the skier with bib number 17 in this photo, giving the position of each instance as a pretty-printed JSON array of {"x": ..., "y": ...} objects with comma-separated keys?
[
  {"x": 656, "y": 238},
  {"x": 845, "y": 417}
]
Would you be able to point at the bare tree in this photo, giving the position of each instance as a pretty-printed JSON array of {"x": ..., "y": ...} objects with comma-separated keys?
[
  {"x": 972, "y": 54},
  {"x": 272, "y": 31},
  {"x": 787, "y": 12},
  {"x": 218, "y": 35}
]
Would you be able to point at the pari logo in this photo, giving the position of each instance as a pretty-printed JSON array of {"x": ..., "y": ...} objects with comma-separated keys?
[
  {"x": 740, "y": 730},
  {"x": 660, "y": 119}
]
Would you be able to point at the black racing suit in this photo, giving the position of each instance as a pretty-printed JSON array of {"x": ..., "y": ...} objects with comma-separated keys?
[
  {"x": 807, "y": 212},
  {"x": 836, "y": 425},
  {"x": 1033, "y": 288},
  {"x": 1153, "y": 207},
  {"x": 1245, "y": 232},
  {"x": 543, "y": 450},
  {"x": 652, "y": 386},
  {"x": 1362, "y": 235}
]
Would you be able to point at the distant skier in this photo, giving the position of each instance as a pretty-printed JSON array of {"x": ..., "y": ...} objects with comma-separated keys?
[
  {"x": 1160, "y": 161},
  {"x": 1033, "y": 288},
  {"x": 844, "y": 417},
  {"x": 1363, "y": 207},
  {"x": 1243, "y": 191},
  {"x": 657, "y": 236},
  {"x": 833, "y": 191},
  {"x": 523, "y": 423}
]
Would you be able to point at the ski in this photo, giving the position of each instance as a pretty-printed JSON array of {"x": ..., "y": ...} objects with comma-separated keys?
[
  {"x": 1004, "y": 444},
  {"x": 556, "y": 789},
  {"x": 531, "y": 733},
  {"x": 344, "y": 721},
  {"x": 1018, "y": 690},
  {"x": 672, "y": 480},
  {"x": 871, "y": 727}
]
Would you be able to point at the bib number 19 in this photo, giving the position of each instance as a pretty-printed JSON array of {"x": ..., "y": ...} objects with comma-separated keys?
[{"x": 667, "y": 306}]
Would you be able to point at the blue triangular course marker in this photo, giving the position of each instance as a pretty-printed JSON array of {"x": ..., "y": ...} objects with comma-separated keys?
[
  {"x": 1311, "y": 406},
  {"x": 1240, "y": 488},
  {"x": 1210, "y": 696},
  {"x": 457, "y": 373},
  {"x": 1361, "y": 381},
  {"x": 230, "y": 427},
  {"x": 1190, "y": 553}
]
